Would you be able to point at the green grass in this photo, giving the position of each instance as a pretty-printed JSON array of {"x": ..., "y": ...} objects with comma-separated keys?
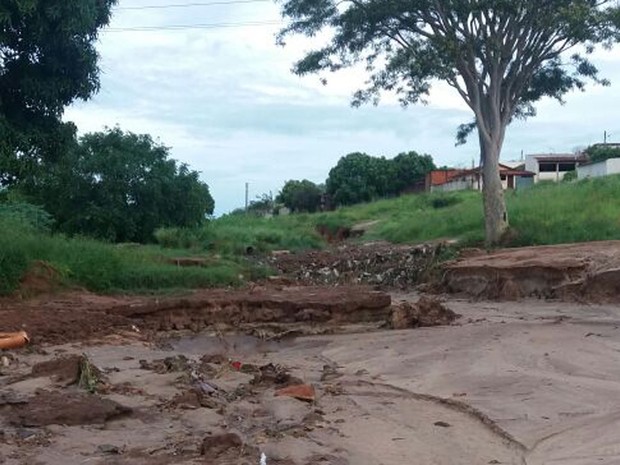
[
  {"x": 548, "y": 213},
  {"x": 105, "y": 267},
  {"x": 232, "y": 235},
  {"x": 544, "y": 214}
]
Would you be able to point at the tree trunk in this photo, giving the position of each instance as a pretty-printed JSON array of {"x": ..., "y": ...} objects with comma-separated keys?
[{"x": 495, "y": 214}]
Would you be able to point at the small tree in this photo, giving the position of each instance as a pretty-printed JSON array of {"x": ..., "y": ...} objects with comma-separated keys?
[
  {"x": 501, "y": 57},
  {"x": 410, "y": 168},
  {"x": 121, "y": 187},
  {"x": 301, "y": 196},
  {"x": 358, "y": 177}
]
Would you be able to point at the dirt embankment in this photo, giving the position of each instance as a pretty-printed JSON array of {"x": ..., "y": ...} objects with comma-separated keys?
[
  {"x": 583, "y": 272},
  {"x": 83, "y": 316}
]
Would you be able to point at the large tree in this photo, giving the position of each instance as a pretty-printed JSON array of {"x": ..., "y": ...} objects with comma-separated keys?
[
  {"x": 48, "y": 60},
  {"x": 121, "y": 186},
  {"x": 501, "y": 56}
]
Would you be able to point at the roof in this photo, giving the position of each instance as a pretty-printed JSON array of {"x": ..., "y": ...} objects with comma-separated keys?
[
  {"x": 559, "y": 157},
  {"x": 503, "y": 169},
  {"x": 439, "y": 177}
]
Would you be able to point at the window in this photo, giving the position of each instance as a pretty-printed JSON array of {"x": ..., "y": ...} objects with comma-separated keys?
[
  {"x": 564, "y": 167},
  {"x": 503, "y": 177},
  {"x": 547, "y": 167}
]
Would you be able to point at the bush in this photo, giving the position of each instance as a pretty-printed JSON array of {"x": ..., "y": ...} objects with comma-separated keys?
[
  {"x": 27, "y": 215},
  {"x": 443, "y": 201}
]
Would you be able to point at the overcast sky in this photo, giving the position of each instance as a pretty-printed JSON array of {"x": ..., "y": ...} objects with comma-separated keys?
[{"x": 225, "y": 101}]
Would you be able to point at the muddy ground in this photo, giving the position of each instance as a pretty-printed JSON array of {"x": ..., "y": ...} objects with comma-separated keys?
[{"x": 312, "y": 375}]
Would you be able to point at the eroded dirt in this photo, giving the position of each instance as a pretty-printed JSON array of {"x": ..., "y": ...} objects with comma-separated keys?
[
  {"x": 588, "y": 272},
  {"x": 81, "y": 316},
  {"x": 510, "y": 384}
]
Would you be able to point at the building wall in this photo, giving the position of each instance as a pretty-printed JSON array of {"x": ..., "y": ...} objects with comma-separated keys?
[
  {"x": 603, "y": 168},
  {"x": 554, "y": 176}
]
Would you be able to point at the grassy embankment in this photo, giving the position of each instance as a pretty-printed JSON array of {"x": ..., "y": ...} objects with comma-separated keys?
[
  {"x": 105, "y": 267},
  {"x": 544, "y": 214}
]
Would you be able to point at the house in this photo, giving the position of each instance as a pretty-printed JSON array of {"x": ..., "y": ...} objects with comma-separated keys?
[
  {"x": 437, "y": 178},
  {"x": 598, "y": 169},
  {"x": 553, "y": 166},
  {"x": 512, "y": 178}
]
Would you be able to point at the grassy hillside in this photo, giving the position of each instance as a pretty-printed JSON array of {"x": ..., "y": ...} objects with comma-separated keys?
[
  {"x": 545, "y": 214},
  {"x": 103, "y": 267}
]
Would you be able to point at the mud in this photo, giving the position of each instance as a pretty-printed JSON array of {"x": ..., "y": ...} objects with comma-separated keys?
[
  {"x": 426, "y": 312},
  {"x": 586, "y": 272},
  {"x": 506, "y": 383},
  {"x": 63, "y": 408}
]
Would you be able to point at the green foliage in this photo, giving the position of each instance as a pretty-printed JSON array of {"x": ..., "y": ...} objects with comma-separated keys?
[
  {"x": 121, "y": 187},
  {"x": 49, "y": 59},
  {"x": 602, "y": 152},
  {"x": 301, "y": 196},
  {"x": 406, "y": 45},
  {"x": 262, "y": 205},
  {"x": 570, "y": 176},
  {"x": 501, "y": 57},
  {"x": 444, "y": 200},
  {"x": 232, "y": 235},
  {"x": 547, "y": 213},
  {"x": 359, "y": 178},
  {"x": 26, "y": 214},
  {"x": 103, "y": 267},
  {"x": 410, "y": 168}
]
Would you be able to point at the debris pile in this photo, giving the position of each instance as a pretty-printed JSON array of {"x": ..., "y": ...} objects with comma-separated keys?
[{"x": 372, "y": 264}]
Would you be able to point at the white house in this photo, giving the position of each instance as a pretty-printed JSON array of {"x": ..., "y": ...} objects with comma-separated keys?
[
  {"x": 598, "y": 169},
  {"x": 553, "y": 166}
]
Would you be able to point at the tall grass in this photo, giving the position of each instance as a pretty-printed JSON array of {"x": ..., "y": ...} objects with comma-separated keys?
[
  {"x": 102, "y": 267},
  {"x": 234, "y": 235}
]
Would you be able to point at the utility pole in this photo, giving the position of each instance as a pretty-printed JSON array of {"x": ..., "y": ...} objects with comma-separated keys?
[
  {"x": 247, "y": 196},
  {"x": 605, "y": 137}
]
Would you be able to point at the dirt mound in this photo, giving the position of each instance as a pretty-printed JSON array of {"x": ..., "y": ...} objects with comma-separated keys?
[
  {"x": 373, "y": 264},
  {"x": 41, "y": 278},
  {"x": 426, "y": 312},
  {"x": 64, "y": 408},
  {"x": 587, "y": 271}
]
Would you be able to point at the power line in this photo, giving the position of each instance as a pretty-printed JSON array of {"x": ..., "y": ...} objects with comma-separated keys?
[
  {"x": 180, "y": 27},
  {"x": 191, "y": 4}
]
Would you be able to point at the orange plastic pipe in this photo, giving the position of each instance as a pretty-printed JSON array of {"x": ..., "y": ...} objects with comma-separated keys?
[{"x": 13, "y": 340}]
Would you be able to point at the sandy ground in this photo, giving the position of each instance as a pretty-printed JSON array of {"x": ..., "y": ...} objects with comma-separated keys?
[{"x": 510, "y": 383}]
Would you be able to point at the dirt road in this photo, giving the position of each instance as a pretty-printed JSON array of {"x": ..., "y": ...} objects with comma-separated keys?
[{"x": 509, "y": 383}]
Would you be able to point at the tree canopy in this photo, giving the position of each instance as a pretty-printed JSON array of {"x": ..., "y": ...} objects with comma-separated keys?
[
  {"x": 121, "y": 186},
  {"x": 48, "y": 60},
  {"x": 601, "y": 152},
  {"x": 301, "y": 196},
  {"x": 500, "y": 56},
  {"x": 359, "y": 177}
]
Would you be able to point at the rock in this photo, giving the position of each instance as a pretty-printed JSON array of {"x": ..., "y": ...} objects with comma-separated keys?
[
  {"x": 215, "y": 446},
  {"x": 303, "y": 392},
  {"x": 109, "y": 449},
  {"x": 64, "y": 370}
]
